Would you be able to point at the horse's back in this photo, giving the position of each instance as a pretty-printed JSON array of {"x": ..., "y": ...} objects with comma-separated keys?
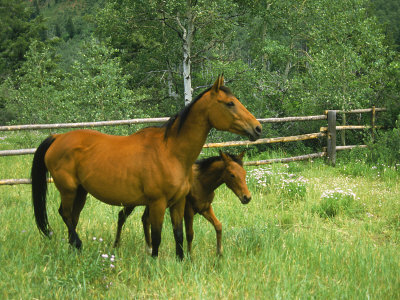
[{"x": 89, "y": 143}]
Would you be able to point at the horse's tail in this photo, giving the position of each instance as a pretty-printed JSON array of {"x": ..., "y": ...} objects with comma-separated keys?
[{"x": 39, "y": 186}]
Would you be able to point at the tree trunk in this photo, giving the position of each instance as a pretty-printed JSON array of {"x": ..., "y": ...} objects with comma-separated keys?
[
  {"x": 171, "y": 87},
  {"x": 187, "y": 38}
]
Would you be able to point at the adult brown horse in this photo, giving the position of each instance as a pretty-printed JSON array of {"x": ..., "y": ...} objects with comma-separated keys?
[
  {"x": 208, "y": 175},
  {"x": 151, "y": 167}
]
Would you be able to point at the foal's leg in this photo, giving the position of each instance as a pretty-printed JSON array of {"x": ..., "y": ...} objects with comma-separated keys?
[
  {"x": 189, "y": 215},
  {"x": 156, "y": 218},
  {"x": 146, "y": 229},
  {"x": 210, "y": 216},
  {"x": 122, "y": 216},
  {"x": 177, "y": 212}
]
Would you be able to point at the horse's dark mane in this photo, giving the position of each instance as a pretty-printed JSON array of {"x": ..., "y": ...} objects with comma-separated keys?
[
  {"x": 183, "y": 114},
  {"x": 205, "y": 163}
]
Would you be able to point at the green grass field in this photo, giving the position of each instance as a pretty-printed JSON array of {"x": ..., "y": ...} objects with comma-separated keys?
[{"x": 310, "y": 231}]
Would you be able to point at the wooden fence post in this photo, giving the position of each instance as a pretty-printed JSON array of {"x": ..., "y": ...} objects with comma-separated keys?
[
  {"x": 343, "y": 133},
  {"x": 373, "y": 116},
  {"x": 331, "y": 142}
]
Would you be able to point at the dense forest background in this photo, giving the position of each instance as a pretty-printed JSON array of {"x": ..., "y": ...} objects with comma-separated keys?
[{"x": 88, "y": 60}]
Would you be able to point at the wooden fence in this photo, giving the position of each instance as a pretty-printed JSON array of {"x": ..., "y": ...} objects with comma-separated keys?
[{"x": 329, "y": 132}]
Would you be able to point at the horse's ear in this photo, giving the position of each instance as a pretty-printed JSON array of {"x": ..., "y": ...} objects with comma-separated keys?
[
  {"x": 224, "y": 157},
  {"x": 241, "y": 155},
  {"x": 218, "y": 83}
]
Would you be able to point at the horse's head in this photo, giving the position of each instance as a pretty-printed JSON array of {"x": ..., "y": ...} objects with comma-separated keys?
[
  {"x": 228, "y": 114},
  {"x": 234, "y": 176}
]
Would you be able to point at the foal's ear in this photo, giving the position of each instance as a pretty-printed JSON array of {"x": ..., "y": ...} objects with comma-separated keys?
[
  {"x": 218, "y": 83},
  {"x": 224, "y": 157}
]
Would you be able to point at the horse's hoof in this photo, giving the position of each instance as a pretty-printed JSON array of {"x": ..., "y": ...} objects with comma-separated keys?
[
  {"x": 149, "y": 250},
  {"x": 78, "y": 245}
]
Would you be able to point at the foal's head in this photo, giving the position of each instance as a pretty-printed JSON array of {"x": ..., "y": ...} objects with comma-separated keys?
[
  {"x": 225, "y": 112},
  {"x": 234, "y": 176}
]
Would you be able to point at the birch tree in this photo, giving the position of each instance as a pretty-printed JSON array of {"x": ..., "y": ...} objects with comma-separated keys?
[
  {"x": 187, "y": 40},
  {"x": 171, "y": 36}
]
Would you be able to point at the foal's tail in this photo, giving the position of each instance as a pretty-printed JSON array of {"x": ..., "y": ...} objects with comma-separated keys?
[{"x": 39, "y": 186}]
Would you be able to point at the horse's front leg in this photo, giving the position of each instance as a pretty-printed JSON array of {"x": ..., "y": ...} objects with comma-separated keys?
[
  {"x": 210, "y": 216},
  {"x": 189, "y": 215},
  {"x": 156, "y": 219},
  {"x": 122, "y": 216},
  {"x": 177, "y": 212}
]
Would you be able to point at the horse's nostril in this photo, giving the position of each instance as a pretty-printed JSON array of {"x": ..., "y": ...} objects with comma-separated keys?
[
  {"x": 246, "y": 199},
  {"x": 258, "y": 129}
]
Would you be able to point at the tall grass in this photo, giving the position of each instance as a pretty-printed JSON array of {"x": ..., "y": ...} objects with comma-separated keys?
[{"x": 277, "y": 246}]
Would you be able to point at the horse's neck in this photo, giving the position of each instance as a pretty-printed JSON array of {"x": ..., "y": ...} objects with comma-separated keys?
[
  {"x": 210, "y": 179},
  {"x": 186, "y": 144}
]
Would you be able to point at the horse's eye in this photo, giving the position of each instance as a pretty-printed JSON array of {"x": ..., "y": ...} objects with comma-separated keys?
[
  {"x": 230, "y": 104},
  {"x": 232, "y": 175}
]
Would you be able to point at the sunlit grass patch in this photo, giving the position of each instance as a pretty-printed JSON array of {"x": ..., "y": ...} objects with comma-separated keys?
[
  {"x": 288, "y": 186},
  {"x": 336, "y": 201}
]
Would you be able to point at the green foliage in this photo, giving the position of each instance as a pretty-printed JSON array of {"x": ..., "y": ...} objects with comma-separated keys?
[
  {"x": 31, "y": 95},
  {"x": 388, "y": 12},
  {"x": 17, "y": 30},
  {"x": 70, "y": 28},
  {"x": 386, "y": 148},
  {"x": 317, "y": 55},
  {"x": 95, "y": 89}
]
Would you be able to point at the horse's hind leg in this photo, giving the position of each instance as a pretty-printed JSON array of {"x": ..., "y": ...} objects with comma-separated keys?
[
  {"x": 70, "y": 211},
  {"x": 122, "y": 216},
  {"x": 146, "y": 229},
  {"x": 79, "y": 203}
]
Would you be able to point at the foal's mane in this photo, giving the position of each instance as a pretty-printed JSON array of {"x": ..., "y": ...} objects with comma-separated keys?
[
  {"x": 183, "y": 114},
  {"x": 205, "y": 163}
]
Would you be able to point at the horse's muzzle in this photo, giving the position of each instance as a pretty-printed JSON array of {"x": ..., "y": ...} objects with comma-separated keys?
[
  {"x": 245, "y": 199},
  {"x": 255, "y": 134}
]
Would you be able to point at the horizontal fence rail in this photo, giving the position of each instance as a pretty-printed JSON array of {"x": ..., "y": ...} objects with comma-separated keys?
[
  {"x": 358, "y": 111},
  {"x": 137, "y": 121},
  {"x": 285, "y": 160},
  {"x": 294, "y": 138},
  {"x": 292, "y": 119},
  {"x": 327, "y": 132},
  {"x": 17, "y": 152},
  {"x": 83, "y": 124}
]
